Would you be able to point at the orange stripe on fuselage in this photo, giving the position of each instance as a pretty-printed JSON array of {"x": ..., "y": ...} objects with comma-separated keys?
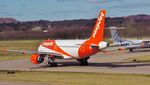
[
  {"x": 85, "y": 50},
  {"x": 51, "y": 44}
]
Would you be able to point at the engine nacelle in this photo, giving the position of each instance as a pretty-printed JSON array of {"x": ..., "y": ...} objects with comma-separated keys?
[
  {"x": 36, "y": 59},
  {"x": 103, "y": 45}
]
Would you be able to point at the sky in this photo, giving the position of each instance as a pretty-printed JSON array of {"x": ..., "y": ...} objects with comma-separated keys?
[{"x": 54, "y": 10}]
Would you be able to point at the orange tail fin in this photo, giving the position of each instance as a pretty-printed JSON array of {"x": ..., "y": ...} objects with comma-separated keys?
[{"x": 98, "y": 31}]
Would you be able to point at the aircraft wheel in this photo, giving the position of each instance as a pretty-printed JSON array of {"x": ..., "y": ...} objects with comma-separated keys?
[
  {"x": 84, "y": 61},
  {"x": 131, "y": 50},
  {"x": 53, "y": 64}
]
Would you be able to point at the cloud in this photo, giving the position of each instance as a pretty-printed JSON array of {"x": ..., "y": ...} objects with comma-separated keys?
[
  {"x": 40, "y": 13},
  {"x": 135, "y": 5},
  {"x": 5, "y": 13},
  {"x": 62, "y": 13},
  {"x": 10, "y": 14},
  {"x": 19, "y": 14},
  {"x": 3, "y": 6},
  {"x": 24, "y": 5},
  {"x": 121, "y": 1},
  {"x": 68, "y": 13},
  {"x": 105, "y": 1},
  {"x": 81, "y": 11},
  {"x": 68, "y": 0}
]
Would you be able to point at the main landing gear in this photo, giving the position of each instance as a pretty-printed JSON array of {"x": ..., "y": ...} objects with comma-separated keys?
[
  {"x": 131, "y": 50},
  {"x": 83, "y": 61},
  {"x": 51, "y": 61}
]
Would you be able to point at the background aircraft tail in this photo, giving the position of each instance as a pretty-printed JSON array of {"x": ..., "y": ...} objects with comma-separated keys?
[{"x": 114, "y": 35}]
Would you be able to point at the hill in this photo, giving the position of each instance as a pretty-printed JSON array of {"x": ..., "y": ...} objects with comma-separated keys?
[
  {"x": 136, "y": 25},
  {"x": 7, "y": 20}
]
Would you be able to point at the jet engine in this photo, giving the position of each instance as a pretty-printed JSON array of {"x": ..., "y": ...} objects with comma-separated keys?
[
  {"x": 36, "y": 59},
  {"x": 103, "y": 45}
]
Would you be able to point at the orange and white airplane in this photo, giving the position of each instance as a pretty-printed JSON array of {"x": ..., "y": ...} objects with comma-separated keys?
[{"x": 81, "y": 50}]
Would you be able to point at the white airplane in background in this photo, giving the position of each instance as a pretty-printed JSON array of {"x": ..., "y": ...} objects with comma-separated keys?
[
  {"x": 128, "y": 44},
  {"x": 81, "y": 50}
]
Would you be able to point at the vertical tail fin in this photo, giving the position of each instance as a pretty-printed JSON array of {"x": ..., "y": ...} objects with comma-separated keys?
[
  {"x": 115, "y": 36},
  {"x": 98, "y": 31},
  {"x": 95, "y": 38}
]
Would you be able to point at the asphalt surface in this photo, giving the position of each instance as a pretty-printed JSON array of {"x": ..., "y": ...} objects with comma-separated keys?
[{"x": 108, "y": 62}]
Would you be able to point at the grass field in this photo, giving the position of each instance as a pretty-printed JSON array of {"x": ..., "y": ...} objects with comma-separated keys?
[
  {"x": 145, "y": 58},
  {"x": 63, "y": 78},
  {"x": 17, "y": 45}
]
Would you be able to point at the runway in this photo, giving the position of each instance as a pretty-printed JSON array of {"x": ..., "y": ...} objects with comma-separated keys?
[{"x": 109, "y": 62}]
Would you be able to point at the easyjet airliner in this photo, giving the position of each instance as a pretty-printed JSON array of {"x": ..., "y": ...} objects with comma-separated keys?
[{"x": 81, "y": 50}]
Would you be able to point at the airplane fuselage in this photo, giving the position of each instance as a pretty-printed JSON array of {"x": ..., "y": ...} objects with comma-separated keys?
[{"x": 67, "y": 48}]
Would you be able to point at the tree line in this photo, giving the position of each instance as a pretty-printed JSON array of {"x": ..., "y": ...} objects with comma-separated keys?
[{"x": 138, "y": 25}]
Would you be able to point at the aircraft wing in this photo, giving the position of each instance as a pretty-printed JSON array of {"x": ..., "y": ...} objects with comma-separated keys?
[
  {"x": 146, "y": 41},
  {"x": 115, "y": 47},
  {"x": 134, "y": 47},
  {"x": 138, "y": 46},
  {"x": 32, "y": 52}
]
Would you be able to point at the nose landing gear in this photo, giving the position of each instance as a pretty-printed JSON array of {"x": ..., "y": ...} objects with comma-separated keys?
[{"x": 51, "y": 61}]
